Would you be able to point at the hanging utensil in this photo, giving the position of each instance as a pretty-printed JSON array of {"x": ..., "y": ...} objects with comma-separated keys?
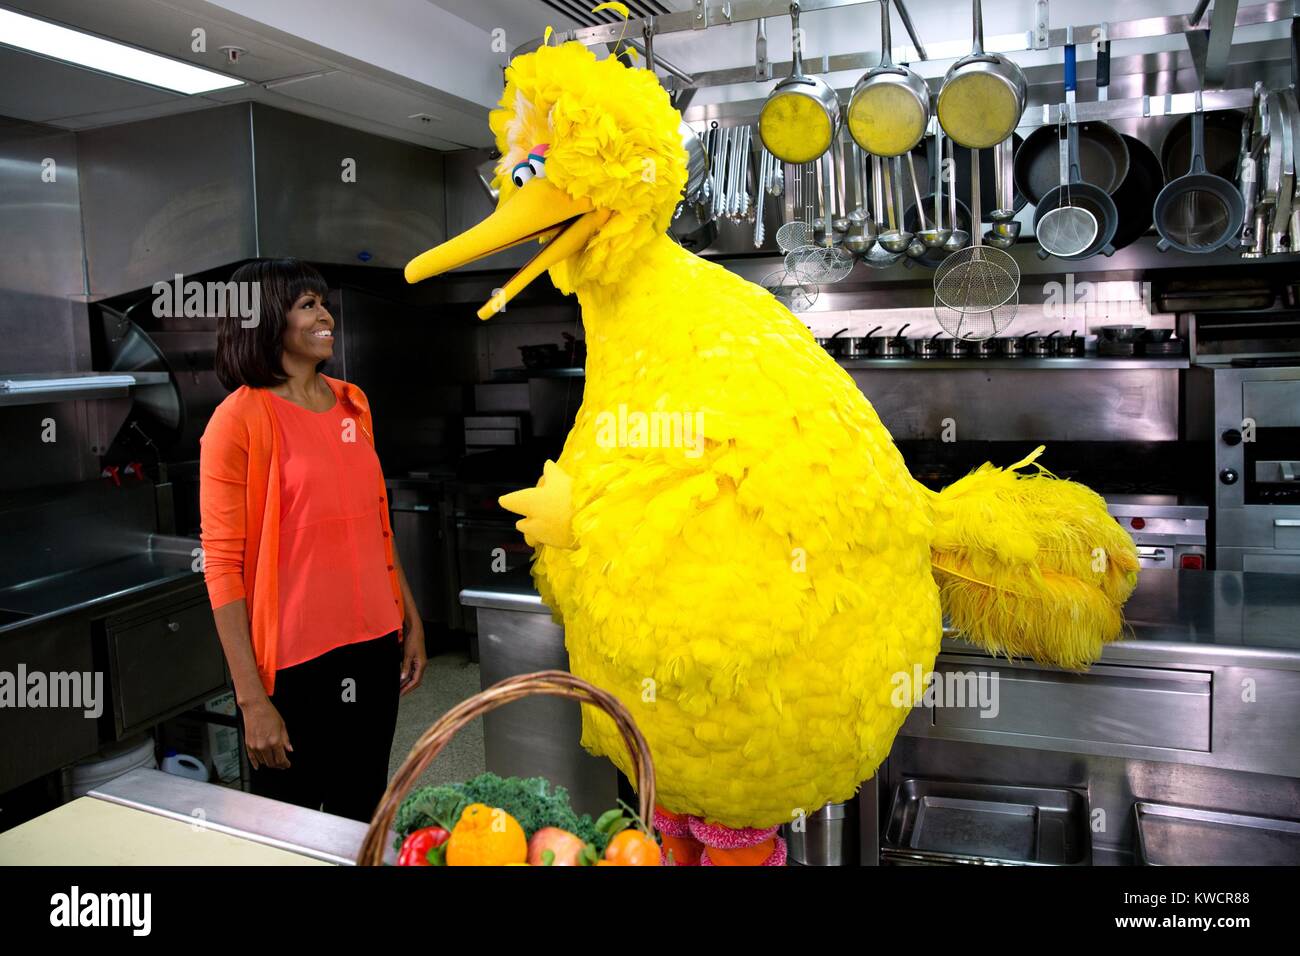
[
  {"x": 940, "y": 233},
  {"x": 801, "y": 116},
  {"x": 924, "y": 238},
  {"x": 789, "y": 291},
  {"x": 889, "y": 108},
  {"x": 1285, "y": 210},
  {"x": 1005, "y": 229},
  {"x": 894, "y": 239},
  {"x": 879, "y": 257},
  {"x": 1201, "y": 212},
  {"x": 1063, "y": 228},
  {"x": 976, "y": 289},
  {"x": 862, "y": 231},
  {"x": 823, "y": 262},
  {"x": 798, "y": 232},
  {"x": 983, "y": 94},
  {"x": 1075, "y": 194},
  {"x": 1102, "y": 153},
  {"x": 958, "y": 238}
]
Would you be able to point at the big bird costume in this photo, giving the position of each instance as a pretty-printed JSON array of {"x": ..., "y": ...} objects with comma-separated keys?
[{"x": 752, "y": 595}]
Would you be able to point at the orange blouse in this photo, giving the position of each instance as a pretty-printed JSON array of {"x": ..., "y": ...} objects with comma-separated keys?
[
  {"x": 239, "y": 502},
  {"x": 333, "y": 566}
]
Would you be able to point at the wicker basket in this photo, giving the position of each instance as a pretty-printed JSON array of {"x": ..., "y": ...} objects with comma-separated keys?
[{"x": 431, "y": 742}]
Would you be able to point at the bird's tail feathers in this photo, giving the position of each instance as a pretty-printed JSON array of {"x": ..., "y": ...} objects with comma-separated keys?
[{"x": 1030, "y": 564}]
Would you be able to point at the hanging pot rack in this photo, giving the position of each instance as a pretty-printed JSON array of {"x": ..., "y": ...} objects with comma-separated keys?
[{"x": 1209, "y": 45}]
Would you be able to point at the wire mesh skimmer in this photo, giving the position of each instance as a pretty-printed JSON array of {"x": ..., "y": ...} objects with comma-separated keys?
[
  {"x": 797, "y": 233},
  {"x": 823, "y": 262},
  {"x": 789, "y": 291},
  {"x": 1067, "y": 229},
  {"x": 976, "y": 289}
]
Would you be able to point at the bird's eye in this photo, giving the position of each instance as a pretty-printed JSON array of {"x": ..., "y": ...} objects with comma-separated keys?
[{"x": 534, "y": 165}]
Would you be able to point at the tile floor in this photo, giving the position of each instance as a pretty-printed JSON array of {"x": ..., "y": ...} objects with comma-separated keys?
[{"x": 451, "y": 677}]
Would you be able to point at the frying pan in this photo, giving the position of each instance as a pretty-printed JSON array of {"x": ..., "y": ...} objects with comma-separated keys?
[
  {"x": 1222, "y": 142},
  {"x": 1137, "y": 193},
  {"x": 1102, "y": 155},
  {"x": 1199, "y": 200},
  {"x": 1087, "y": 196}
]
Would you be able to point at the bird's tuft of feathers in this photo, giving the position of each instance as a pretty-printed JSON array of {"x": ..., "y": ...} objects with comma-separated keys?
[
  {"x": 1031, "y": 565},
  {"x": 613, "y": 138}
]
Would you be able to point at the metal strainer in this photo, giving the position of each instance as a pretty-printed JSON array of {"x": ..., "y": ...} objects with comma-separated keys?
[
  {"x": 824, "y": 262},
  {"x": 976, "y": 290},
  {"x": 1068, "y": 229},
  {"x": 797, "y": 233},
  {"x": 789, "y": 291}
]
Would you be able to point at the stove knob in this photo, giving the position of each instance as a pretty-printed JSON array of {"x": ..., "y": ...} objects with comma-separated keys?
[
  {"x": 1228, "y": 476},
  {"x": 1232, "y": 437}
]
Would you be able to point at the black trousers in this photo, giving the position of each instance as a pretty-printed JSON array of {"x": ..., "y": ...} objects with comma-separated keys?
[{"x": 340, "y": 712}]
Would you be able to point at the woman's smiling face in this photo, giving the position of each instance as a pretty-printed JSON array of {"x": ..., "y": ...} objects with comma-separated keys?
[{"x": 309, "y": 329}]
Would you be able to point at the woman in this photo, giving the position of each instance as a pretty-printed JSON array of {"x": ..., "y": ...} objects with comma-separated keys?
[{"x": 318, "y": 624}]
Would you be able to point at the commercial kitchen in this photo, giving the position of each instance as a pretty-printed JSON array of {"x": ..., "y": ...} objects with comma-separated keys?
[{"x": 1094, "y": 247}]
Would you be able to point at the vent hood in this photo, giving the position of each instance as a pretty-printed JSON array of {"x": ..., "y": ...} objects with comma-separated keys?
[{"x": 195, "y": 191}]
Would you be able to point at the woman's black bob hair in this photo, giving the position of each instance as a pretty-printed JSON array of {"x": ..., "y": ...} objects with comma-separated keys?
[{"x": 253, "y": 355}]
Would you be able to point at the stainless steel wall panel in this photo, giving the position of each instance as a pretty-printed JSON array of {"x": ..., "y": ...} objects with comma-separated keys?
[
  {"x": 166, "y": 196},
  {"x": 393, "y": 211},
  {"x": 1008, "y": 405},
  {"x": 42, "y": 315}
]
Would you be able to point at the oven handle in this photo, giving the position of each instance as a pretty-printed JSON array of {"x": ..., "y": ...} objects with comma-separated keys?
[{"x": 1286, "y": 522}]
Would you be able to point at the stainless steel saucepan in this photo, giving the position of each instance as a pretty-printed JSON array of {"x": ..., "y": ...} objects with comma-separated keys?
[
  {"x": 890, "y": 106},
  {"x": 801, "y": 116},
  {"x": 983, "y": 94}
]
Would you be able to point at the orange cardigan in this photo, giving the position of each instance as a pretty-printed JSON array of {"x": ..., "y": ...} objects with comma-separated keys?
[{"x": 239, "y": 504}]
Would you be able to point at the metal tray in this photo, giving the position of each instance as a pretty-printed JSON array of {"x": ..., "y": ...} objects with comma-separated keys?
[
  {"x": 1182, "y": 836},
  {"x": 934, "y": 821}
]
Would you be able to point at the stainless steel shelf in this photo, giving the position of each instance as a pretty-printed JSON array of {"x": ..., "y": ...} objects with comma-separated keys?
[
  {"x": 41, "y": 388},
  {"x": 1027, "y": 364}
]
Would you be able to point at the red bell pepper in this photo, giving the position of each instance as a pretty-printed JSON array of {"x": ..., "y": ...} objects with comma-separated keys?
[{"x": 424, "y": 847}]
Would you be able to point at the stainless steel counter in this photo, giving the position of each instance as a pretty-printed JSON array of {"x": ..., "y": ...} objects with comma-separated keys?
[
  {"x": 1198, "y": 706},
  {"x": 310, "y": 833},
  {"x": 1224, "y": 617},
  {"x": 167, "y": 560}
]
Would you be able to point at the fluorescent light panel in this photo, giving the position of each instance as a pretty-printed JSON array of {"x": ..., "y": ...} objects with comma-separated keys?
[{"x": 106, "y": 56}]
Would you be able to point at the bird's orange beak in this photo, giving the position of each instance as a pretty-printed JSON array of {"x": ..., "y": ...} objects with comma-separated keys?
[{"x": 538, "y": 210}]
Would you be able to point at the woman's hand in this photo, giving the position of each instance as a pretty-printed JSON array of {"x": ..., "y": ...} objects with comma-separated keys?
[
  {"x": 265, "y": 736},
  {"x": 414, "y": 659}
]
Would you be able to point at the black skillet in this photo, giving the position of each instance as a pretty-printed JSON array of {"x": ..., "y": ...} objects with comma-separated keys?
[
  {"x": 1102, "y": 153},
  {"x": 1137, "y": 193},
  {"x": 1086, "y": 195}
]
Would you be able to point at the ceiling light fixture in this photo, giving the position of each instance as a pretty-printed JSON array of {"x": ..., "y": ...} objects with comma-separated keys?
[{"x": 107, "y": 56}]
